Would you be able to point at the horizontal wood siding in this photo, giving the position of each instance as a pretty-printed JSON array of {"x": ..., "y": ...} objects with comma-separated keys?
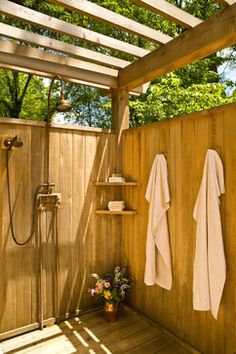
[
  {"x": 77, "y": 158},
  {"x": 184, "y": 142}
]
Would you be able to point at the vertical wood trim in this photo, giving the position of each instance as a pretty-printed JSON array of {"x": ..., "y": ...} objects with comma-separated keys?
[{"x": 120, "y": 119}]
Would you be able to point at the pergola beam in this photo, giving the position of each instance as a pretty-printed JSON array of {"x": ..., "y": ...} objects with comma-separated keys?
[
  {"x": 214, "y": 34},
  {"x": 111, "y": 18},
  {"x": 53, "y": 24},
  {"x": 59, "y": 46},
  {"x": 120, "y": 120},
  {"x": 169, "y": 11},
  {"x": 57, "y": 69},
  {"x": 30, "y": 60},
  {"x": 51, "y": 76},
  {"x": 35, "y": 59},
  {"x": 136, "y": 92}
]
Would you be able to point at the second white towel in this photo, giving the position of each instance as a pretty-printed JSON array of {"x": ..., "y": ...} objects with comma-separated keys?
[
  {"x": 158, "y": 271},
  {"x": 209, "y": 264}
]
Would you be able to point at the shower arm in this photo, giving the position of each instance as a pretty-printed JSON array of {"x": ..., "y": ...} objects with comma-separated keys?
[{"x": 49, "y": 97}]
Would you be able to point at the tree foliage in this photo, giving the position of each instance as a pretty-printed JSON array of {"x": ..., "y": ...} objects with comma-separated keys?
[
  {"x": 22, "y": 95},
  {"x": 169, "y": 97},
  {"x": 90, "y": 108}
]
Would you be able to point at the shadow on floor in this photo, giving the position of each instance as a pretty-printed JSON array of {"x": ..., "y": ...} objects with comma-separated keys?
[{"x": 90, "y": 333}]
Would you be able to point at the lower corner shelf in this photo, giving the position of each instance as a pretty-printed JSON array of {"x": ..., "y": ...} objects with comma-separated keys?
[{"x": 108, "y": 212}]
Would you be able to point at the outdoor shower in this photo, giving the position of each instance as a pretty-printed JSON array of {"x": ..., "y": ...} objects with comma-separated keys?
[
  {"x": 43, "y": 198},
  {"x": 46, "y": 204}
]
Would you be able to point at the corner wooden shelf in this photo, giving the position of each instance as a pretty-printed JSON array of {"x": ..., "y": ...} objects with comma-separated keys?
[
  {"x": 108, "y": 212},
  {"x": 123, "y": 184},
  {"x": 115, "y": 184}
]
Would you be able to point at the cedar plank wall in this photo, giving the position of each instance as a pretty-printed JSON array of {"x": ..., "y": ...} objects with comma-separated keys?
[
  {"x": 77, "y": 158},
  {"x": 185, "y": 141}
]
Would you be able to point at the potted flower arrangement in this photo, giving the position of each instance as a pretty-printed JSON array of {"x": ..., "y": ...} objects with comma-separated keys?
[{"x": 112, "y": 289}]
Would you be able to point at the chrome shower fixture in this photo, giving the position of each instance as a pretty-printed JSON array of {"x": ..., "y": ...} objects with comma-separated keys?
[{"x": 10, "y": 142}]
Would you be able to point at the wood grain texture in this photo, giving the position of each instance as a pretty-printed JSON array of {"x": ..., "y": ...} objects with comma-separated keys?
[{"x": 185, "y": 141}]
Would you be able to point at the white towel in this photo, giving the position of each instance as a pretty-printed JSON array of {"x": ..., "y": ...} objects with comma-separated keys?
[
  {"x": 209, "y": 264},
  {"x": 157, "y": 194}
]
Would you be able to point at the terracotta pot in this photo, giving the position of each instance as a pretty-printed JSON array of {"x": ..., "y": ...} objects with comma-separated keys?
[{"x": 111, "y": 312}]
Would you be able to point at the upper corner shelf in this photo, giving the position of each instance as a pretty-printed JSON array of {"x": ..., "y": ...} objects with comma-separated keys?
[
  {"x": 125, "y": 184},
  {"x": 109, "y": 212}
]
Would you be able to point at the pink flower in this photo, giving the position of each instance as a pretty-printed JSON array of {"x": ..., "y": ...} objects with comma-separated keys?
[
  {"x": 106, "y": 284},
  {"x": 93, "y": 292}
]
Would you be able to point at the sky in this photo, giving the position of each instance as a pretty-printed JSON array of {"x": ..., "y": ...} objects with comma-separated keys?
[{"x": 229, "y": 73}]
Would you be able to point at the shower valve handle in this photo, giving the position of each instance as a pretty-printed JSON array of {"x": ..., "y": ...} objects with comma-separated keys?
[{"x": 48, "y": 186}]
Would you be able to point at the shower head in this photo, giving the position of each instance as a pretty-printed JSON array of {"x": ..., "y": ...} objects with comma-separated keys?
[
  {"x": 10, "y": 142},
  {"x": 63, "y": 105}
]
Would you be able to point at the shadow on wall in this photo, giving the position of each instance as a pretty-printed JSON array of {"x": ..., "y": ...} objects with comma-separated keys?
[{"x": 94, "y": 238}]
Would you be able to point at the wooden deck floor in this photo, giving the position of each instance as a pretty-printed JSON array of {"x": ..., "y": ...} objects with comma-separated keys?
[{"x": 90, "y": 333}]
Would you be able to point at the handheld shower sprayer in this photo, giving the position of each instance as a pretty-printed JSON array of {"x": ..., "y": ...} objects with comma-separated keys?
[
  {"x": 10, "y": 142},
  {"x": 16, "y": 141}
]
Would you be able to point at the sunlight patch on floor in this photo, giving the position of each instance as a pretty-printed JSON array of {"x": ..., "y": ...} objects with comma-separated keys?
[{"x": 59, "y": 344}]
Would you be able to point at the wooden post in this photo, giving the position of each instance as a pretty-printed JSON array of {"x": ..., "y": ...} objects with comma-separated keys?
[{"x": 120, "y": 120}]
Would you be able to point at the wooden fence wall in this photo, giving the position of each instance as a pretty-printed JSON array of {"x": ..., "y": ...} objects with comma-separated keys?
[
  {"x": 185, "y": 142},
  {"x": 94, "y": 243},
  {"x": 76, "y": 159}
]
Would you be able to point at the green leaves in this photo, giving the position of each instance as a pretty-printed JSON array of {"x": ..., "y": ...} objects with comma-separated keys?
[
  {"x": 22, "y": 96},
  {"x": 170, "y": 97},
  {"x": 90, "y": 108}
]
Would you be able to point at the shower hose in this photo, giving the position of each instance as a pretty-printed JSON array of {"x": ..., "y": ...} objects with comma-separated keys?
[{"x": 10, "y": 207}]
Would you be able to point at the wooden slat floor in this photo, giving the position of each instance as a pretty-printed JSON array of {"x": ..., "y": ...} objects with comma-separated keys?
[{"x": 90, "y": 333}]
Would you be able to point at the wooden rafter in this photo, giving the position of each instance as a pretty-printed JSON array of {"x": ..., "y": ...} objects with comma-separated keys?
[
  {"x": 50, "y": 76},
  {"x": 79, "y": 69},
  {"x": 214, "y": 34},
  {"x": 29, "y": 60},
  {"x": 58, "y": 26},
  {"x": 137, "y": 91},
  {"x": 111, "y": 18},
  {"x": 26, "y": 70},
  {"x": 57, "y": 69},
  {"x": 169, "y": 11},
  {"x": 59, "y": 46}
]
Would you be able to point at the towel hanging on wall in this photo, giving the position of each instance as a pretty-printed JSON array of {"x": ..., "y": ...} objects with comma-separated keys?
[
  {"x": 209, "y": 264},
  {"x": 157, "y": 194}
]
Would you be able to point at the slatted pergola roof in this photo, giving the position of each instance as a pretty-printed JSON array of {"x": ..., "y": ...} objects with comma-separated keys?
[{"x": 44, "y": 56}]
